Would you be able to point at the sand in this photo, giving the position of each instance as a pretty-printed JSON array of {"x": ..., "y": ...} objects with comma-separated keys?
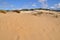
[{"x": 14, "y": 26}]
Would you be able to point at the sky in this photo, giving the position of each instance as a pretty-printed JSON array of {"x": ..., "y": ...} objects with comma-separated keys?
[{"x": 28, "y": 4}]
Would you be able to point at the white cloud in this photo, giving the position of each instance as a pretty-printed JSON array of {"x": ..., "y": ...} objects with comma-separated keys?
[
  {"x": 34, "y": 5},
  {"x": 56, "y": 6},
  {"x": 52, "y": 7},
  {"x": 44, "y": 3}
]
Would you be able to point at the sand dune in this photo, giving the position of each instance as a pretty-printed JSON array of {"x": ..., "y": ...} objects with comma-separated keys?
[{"x": 14, "y": 26}]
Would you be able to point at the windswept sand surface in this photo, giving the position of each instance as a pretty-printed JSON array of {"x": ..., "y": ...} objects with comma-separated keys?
[{"x": 14, "y": 26}]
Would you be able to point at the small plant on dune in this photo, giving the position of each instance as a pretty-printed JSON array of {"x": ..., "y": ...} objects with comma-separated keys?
[
  {"x": 56, "y": 16},
  {"x": 16, "y": 11},
  {"x": 24, "y": 9},
  {"x": 51, "y": 13},
  {"x": 34, "y": 14},
  {"x": 3, "y": 11},
  {"x": 38, "y": 13}
]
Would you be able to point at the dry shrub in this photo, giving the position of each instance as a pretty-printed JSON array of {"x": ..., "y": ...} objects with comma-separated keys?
[
  {"x": 3, "y": 11},
  {"x": 51, "y": 13},
  {"x": 38, "y": 13},
  {"x": 56, "y": 16},
  {"x": 16, "y": 11},
  {"x": 34, "y": 14}
]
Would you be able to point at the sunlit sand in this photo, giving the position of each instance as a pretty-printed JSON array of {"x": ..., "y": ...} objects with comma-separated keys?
[{"x": 30, "y": 26}]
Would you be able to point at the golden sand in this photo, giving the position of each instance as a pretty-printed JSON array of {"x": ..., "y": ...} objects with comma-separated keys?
[{"x": 14, "y": 26}]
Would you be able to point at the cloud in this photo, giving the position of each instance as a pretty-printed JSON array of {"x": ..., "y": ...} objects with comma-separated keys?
[
  {"x": 34, "y": 5},
  {"x": 44, "y": 3},
  {"x": 52, "y": 7},
  {"x": 56, "y": 6}
]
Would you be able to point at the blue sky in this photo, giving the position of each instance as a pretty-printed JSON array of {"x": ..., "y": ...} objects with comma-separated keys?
[{"x": 23, "y": 4}]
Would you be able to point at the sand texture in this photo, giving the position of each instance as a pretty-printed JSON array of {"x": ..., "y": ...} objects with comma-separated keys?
[{"x": 14, "y": 26}]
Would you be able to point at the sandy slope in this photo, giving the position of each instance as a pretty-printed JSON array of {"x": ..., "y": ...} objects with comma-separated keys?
[{"x": 14, "y": 26}]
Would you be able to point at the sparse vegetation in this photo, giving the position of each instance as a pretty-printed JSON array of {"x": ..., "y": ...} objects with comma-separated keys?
[
  {"x": 38, "y": 13},
  {"x": 24, "y": 9},
  {"x": 34, "y": 14},
  {"x": 18, "y": 11},
  {"x": 56, "y": 16},
  {"x": 27, "y": 9},
  {"x": 3, "y": 11},
  {"x": 31, "y": 9},
  {"x": 51, "y": 13}
]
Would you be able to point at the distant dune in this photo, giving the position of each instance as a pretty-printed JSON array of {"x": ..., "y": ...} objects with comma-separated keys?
[{"x": 30, "y": 25}]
